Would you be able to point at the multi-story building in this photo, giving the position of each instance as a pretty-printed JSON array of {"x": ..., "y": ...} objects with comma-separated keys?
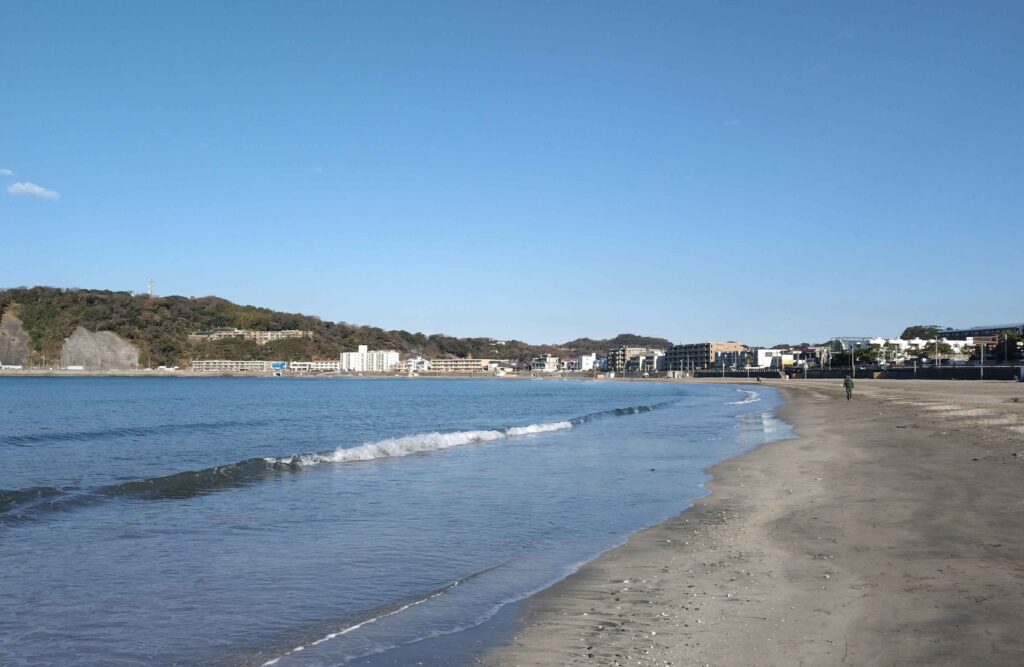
[
  {"x": 545, "y": 363},
  {"x": 416, "y": 365},
  {"x": 364, "y": 360},
  {"x": 646, "y": 363},
  {"x": 985, "y": 330},
  {"x": 234, "y": 366},
  {"x": 467, "y": 365},
  {"x": 324, "y": 365},
  {"x": 582, "y": 363},
  {"x": 619, "y": 358},
  {"x": 259, "y": 337},
  {"x": 693, "y": 356}
]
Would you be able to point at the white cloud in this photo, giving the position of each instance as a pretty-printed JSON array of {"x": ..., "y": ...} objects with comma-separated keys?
[
  {"x": 31, "y": 190},
  {"x": 6, "y": 172}
]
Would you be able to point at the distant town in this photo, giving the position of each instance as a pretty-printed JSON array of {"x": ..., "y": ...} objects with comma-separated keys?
[{"x": 1001, "y": 344}]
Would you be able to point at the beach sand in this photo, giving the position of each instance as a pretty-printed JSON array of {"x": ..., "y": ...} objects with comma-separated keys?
[{"x": 890, "y": 533}]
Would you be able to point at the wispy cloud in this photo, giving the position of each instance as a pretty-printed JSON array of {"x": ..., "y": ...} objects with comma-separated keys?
[
  {"x": 6, "y": 172},
  {"x": 733, "y": 122},
  {"x": 31, "y": 190}
]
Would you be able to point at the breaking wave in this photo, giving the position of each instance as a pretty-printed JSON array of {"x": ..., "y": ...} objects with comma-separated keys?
[
  {"x": 750, "y": 397},
  {"x": 26, "y": 504}
]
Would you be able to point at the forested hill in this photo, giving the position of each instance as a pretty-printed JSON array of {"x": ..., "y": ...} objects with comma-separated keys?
[{"x": 159, "y": 327}]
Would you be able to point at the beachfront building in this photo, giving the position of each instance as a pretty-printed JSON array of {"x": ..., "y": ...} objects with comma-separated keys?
[
  {"x": 416, "y": 365},
  {"x": 772, "y": 358},
  {"x": 259, "y": 337},
  {"x": 369, "y": 361},
  {"x": 582, "y": 363},
  {"x": 652, "y": 362},
  {"x": 234, "y": 366},
  {"x": 545, "y": 363},
  {"x": 692, "y": 356},
  {"x": 466, "y": 366},
  {"x": 899, "y": 349},
  {"x": 985, "y": 330},
  {"x": 619, "y": 358},
  {"x": 325, "y": 365}
]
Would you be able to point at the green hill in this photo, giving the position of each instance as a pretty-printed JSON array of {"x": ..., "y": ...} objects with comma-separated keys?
[{"x": 160, "y": 326}]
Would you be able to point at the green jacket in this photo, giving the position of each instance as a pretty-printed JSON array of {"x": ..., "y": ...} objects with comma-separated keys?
[{"x": 848, "y": 383}]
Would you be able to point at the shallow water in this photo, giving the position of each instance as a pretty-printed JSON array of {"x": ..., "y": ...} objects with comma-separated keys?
[{"x": 323, "y": 522}]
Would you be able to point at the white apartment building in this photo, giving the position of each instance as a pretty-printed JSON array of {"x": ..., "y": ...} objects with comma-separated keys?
[
  {"x": 468, "y": 365},
  {"x": 231, "y": 366},
  {"x": 545, "y": 363},
  {"x": 369, "y": 361},
  {"x": 259, "y": 337},
  {"x": 582, "y": 363},
  {"x": 416, "y": 365},
  {"x": 315, "y": 366}
]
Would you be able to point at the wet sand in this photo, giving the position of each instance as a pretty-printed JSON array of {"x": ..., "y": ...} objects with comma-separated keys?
[{"x": 890, "y": 533}]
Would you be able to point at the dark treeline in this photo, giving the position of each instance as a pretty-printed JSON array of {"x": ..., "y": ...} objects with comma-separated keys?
[{"x": 160, "y": 326}]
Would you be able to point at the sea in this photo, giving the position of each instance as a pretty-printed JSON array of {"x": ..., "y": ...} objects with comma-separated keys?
[{"x": 312, "y": 522}]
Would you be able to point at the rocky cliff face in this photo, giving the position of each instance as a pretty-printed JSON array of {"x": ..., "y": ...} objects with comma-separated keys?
[
  {"x": 100, "y": 351},
  {"x": 13, "y": 341}
]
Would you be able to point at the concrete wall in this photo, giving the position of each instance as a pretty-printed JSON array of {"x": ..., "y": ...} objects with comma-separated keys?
[
  {"x": 923, "y": 373},
  {"x": 951, "y": 373},
  {"x": 13, "y": 341},
  {"x": 100, "y": 351}
]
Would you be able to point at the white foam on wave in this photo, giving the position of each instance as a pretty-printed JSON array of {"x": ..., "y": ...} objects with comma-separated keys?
[
  {"x": 345, "y": 631},
  {"x": 417, "y": 444},
  {"x": 751, "y": 397}
]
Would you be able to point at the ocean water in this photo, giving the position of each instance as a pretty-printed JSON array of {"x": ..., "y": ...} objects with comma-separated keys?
[{"x": 271, "y": 521}]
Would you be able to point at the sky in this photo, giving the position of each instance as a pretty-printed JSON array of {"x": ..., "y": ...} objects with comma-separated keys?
[{"x": 765, "y": 172}]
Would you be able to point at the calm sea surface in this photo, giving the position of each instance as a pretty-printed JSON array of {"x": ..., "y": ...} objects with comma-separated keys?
[{"x": 290, "y": 522}]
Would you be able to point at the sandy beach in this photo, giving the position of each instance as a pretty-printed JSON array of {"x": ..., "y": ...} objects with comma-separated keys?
[{"x": 891, "y": 532}]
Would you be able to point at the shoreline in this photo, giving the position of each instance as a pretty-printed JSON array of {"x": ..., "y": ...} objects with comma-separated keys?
[{"x": 892, "y": 535}]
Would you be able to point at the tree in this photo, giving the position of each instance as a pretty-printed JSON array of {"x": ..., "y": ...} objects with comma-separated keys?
[{"x": 927, "y": 331}]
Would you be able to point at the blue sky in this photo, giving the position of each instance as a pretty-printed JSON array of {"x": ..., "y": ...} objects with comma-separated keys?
[{"x": 758, "y": 171}]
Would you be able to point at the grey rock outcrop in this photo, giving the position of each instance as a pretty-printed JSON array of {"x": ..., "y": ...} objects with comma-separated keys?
[
  {"x": 13, "y": 341},
  {"x": 100, "y": 351}
]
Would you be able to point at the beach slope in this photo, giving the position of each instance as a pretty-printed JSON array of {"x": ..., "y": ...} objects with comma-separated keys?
[{"x": 891, "y": 532}]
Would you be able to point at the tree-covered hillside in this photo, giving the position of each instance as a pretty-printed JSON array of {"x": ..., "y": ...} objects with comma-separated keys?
[{"x": 159, "y": 327}]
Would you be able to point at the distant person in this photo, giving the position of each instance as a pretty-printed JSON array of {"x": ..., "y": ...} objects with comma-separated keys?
[
  {"x": 848, "y": 386},
  {"x": 759, "y": 379}
]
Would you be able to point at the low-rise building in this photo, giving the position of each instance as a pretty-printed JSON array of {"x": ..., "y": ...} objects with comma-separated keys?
[
  {"x": 545, "y": 363},
  {"x": 416, "y": 365},
  {"x": 259, "y": 337},
  {"x": 465, "y": 365},
  {"x": 232, "y": 366},
  {"x": 984, "y": 330},
  {"x": 772, "y": 358}
]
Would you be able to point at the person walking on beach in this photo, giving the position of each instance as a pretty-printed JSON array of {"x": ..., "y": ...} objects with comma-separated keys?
[{"x": 848, "y": 386}]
